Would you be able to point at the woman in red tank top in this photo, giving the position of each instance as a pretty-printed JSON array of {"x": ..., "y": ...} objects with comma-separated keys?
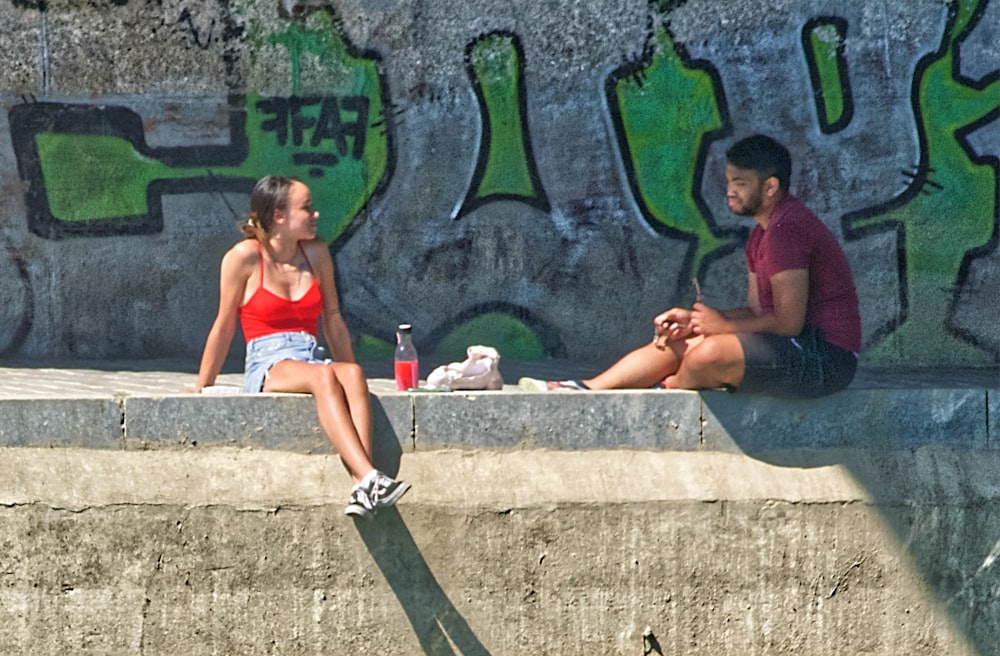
[{"x": 279, "y": 282}]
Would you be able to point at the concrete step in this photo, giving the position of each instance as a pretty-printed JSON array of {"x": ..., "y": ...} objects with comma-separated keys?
[
  {"x": 613, "y": 523},
  {"x": 119, "y": 408}
]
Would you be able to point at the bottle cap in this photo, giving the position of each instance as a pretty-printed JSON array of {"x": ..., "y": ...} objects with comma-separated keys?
[{"x": 405, "y": 327}]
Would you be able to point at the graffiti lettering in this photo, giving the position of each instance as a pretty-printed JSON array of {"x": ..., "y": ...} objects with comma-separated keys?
[{"x": 287, "y": 116}]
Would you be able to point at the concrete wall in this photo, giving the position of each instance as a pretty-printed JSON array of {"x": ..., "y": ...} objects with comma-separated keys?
[
  {"x": 538, "y": 176},
  {"x": 236, "y": 551},
  {"x": 138, "y": 520}
]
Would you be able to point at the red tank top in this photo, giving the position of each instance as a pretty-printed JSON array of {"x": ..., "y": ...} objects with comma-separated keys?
[{"x": 267, "y": 313}]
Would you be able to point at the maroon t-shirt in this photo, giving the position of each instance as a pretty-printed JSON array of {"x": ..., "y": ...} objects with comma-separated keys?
[{"x": 796, "y": 239}]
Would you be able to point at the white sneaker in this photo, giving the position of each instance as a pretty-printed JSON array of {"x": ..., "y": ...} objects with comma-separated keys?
[
  {"x": 360, "y": 504},
  {"x": 386, "y": 491}
]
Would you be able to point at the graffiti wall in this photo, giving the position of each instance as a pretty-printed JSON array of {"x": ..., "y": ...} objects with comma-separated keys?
[{"x": 540, "y": 177}]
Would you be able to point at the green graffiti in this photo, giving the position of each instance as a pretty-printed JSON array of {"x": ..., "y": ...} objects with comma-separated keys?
[
  {"x": 326, "y": 43},
  {"x": 509, "y": 336},
  {"x": 372, "y": 348},
  {"x": 664, "y": 111},
  {"x": 949, "y": 210},
  {"x": 506, "y": 167},
  {"x": 115, "y": 182},
  {"x": 823, "y": 45},
  {"x": 333, "y": 138}
]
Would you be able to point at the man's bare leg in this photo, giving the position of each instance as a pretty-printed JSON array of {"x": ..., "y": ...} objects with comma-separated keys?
[
  {"x": 717, "y": 361},
  {"x": 643, "y": 367}
]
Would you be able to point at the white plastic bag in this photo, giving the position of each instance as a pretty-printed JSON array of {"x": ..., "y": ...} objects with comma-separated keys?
[{"x": 480, "y": 371}]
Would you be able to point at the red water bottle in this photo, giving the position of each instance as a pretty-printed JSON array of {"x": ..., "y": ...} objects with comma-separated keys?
[{"x": 407, "y": 364}]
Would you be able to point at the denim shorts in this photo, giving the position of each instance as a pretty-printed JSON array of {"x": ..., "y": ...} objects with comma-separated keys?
[
  {"x": 265, "y": 352},
  {"x": 800, "y": 367}
]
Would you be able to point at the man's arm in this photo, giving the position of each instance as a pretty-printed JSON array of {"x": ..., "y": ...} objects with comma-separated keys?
[{"x": 790, "y": 291}]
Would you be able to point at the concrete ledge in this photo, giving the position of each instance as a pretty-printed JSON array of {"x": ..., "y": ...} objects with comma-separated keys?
[
  {"x": 632, "y": 418},
  {"x": 87, "y": 422},
  {"x": 637, "y": 419},
  {"x": 878, "y": 419},
  {"x": 597, "y": 523}
]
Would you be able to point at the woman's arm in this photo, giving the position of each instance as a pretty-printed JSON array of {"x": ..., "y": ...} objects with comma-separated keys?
[
  {"x": 338, "y": 338},
  {"x": 232, "y": 283}
]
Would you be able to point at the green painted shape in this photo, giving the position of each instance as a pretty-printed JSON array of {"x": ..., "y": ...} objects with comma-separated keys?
[
  {"x": 664, "y": 119},
  {"x": 512, "y": 338},
  {"x": 322, "y": 37},
  {"x": 117, "y": 175},
  {"x": 825, "y": 40},
  {"x": 344, "y": 188},
  {"x": 497, "y": 68},
  {"x": 373, "y": 348},
  {"x": 90, "y": 177},
  {"x": 955, "y": 214}
]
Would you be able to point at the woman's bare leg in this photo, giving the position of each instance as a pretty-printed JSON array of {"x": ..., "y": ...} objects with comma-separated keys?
[
  {"x": 352, "y": 379},
  {"x": 335, "y": 403},
  {"x": 643, "y": 367}
]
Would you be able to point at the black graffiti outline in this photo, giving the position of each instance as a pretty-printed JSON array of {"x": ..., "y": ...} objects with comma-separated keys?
[
  {"x": 30, "y": 119},
  {"x": 27, "y": 319},
  {"x": 920, "y": 178},
  {"x": 633, "y": 68},
  {"x": 547, "y": 334},
  {"x": 840, "y": 24},
  {"x": 539, "y": 200}
]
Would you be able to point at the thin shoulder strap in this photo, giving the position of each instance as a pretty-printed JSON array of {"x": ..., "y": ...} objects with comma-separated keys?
[{"x": 260, "y": 256}]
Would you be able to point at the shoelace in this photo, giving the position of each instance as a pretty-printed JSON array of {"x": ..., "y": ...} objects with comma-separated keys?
[
  {"x": 379, "y": 488},
  {"x": 362, "y": 498}
]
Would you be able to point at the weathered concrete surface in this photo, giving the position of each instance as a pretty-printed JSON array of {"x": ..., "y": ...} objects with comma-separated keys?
[
  {"x": 865, "y": 522},
  {"x": 586, "y": 255},
  {"x": 675, "y": 420},
  {"x": 878, "y": 419},
  {"x": 212, "y": 551},
  {"x": 90, "y": 422}
]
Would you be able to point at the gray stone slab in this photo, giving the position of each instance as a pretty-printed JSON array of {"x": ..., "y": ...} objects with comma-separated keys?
[
  {"x": 632, "y": 418},
  {"x": 880, "y": 419},
  {"x": 392, "y": 419},
  {"x": 265, "y": 421},
  {"x": 92, "y": 422},
  {"x": 200, "y": 552},
  {"x": 187, "y": 57},
  {"x": 259, "y": 420}
]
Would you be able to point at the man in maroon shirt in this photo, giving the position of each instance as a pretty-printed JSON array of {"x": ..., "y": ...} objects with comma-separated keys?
[{"x": 800, "y": 331}]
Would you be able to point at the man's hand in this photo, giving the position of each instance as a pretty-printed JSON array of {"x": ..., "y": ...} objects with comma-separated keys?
[
  {"x": 674, "y": 324},
  {"x": 706, "y": 321}
]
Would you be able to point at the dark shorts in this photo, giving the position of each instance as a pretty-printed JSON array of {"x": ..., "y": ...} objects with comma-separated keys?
[{"x": 802, "y": 367}]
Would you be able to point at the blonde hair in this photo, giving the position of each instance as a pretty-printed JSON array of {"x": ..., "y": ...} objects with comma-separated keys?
[{"x": 269, "y": 195}]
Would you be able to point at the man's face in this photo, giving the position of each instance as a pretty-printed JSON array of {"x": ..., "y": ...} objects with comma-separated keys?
[{"x": 744, "y": 191}]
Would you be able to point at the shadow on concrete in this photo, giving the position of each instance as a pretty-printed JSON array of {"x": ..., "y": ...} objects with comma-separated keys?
[
  {"x": 937, "y": 497},
  {"x": 439, "y": 627},
  {"x": 386, "y": 450}
]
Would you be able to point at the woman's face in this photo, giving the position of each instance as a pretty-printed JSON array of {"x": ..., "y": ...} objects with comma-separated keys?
[{"x": 301, "y": 218}]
